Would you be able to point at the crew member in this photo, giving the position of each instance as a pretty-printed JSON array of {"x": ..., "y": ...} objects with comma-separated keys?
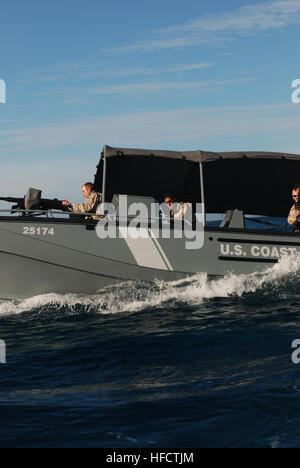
[
  {"x": 93, "y": 200},
  {"x": 293, "y": 217},
  {"x": 177, "y": 210}
]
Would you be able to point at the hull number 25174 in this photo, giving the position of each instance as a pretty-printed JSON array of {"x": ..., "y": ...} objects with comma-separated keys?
[{"x": 37, "y": 231}]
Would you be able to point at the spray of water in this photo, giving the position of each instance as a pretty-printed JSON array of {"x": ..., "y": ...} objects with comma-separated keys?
[{"x": 135, "y": 296}]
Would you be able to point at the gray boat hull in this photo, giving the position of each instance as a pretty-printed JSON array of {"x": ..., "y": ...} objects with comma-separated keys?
[{"x": 59, "y": 256}]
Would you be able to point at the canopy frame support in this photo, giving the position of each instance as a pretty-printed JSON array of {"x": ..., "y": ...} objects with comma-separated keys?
[
  {"x": 202, "y": 193},
  {"x": 104, "y": 183}
]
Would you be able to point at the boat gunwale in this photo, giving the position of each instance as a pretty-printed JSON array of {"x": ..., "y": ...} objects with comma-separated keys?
[{"x": 93, "y": 222}]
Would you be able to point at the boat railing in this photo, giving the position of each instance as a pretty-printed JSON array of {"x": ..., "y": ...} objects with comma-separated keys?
[
  {"x": 33, "y": 213},
  {"x": 92, "y": 217}
]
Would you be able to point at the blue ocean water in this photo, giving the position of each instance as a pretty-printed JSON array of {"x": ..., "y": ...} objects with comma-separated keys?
[{"x": 195, "y": 363}]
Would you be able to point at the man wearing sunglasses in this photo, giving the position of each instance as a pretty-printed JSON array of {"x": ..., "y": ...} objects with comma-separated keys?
[
  {"x": 177, "y": 210},
  {"x": 295, "y": 211}
]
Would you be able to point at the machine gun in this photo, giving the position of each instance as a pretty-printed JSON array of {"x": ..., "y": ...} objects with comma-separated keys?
[{"x": 33, "y": 201}]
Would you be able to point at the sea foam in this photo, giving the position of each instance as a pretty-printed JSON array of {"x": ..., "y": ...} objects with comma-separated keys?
[{"x": 133, "y": 296}]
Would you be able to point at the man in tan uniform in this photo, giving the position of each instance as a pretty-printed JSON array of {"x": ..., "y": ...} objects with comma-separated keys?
[
  {"x": 93, "y": 200},
  {"x": 295, "y": 213}
]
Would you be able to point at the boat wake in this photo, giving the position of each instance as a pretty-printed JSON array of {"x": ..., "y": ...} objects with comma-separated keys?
[{"x": 282, "y": 281}]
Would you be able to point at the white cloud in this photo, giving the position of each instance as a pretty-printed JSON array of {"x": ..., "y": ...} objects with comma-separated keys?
[
  {"x": 60, "y": 176},
  {"x": 40, "y": 79},
  {"x": 145, "y": 71},
  {"x": 162, "y": 86},
  {"x": 47, "y": 75},
  {"x": 262, "y": 16},
  {"x": 52, "y": 73},
  {"x": 154, "y": 128},
  {"x": 251, "y": 19}
]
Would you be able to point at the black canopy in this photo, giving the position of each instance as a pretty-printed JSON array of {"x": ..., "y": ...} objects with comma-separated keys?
[{"x": 257, "y": 182}]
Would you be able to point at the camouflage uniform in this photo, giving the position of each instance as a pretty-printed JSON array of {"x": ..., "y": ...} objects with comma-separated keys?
[
  {"x": 90, "y": 205},
  {"x": 292, "y": 219}
]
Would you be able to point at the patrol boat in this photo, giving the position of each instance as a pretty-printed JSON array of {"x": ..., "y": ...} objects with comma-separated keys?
[{"x": 44, "y": 250}]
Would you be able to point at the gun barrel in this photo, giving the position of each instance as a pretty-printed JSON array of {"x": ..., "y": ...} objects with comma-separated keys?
[{"x": 12, "y": 199}]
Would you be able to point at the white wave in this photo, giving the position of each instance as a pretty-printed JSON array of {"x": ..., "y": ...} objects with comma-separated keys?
[{"x": 134, "y": 296}]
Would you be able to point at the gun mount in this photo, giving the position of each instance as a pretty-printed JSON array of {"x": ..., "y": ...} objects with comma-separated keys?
[{"x": 33, "y": 201}]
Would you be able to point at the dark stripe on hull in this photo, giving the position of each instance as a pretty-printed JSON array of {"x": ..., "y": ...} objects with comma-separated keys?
[{"x": 247, "y": 260}]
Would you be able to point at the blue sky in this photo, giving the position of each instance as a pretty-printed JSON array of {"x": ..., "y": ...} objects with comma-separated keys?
[{"x": 162, "y": 74}]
